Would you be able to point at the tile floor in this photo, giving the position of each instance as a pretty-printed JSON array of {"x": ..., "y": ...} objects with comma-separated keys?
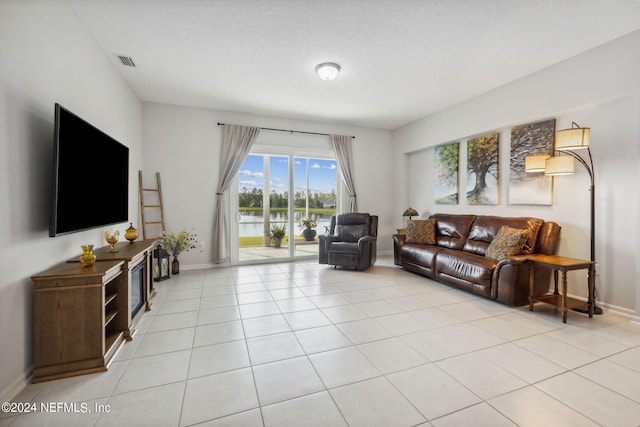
[{"x": 298, "y": 344}]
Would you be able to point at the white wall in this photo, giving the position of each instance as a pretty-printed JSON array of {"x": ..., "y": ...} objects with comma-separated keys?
[
  {"x": 599, "y": 89},
  {"x": 183, "y": 144},
  {"x": 47, "y": 57}
]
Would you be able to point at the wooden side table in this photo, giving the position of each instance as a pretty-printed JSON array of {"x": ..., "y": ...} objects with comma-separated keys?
[{"x": 561, "y": 300}]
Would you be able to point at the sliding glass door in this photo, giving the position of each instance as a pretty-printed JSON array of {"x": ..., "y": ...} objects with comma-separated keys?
[
  {"x": 277, "y": 196},
  {"x": 263, "y": 208},
  {"x": 315, "y": 182}
]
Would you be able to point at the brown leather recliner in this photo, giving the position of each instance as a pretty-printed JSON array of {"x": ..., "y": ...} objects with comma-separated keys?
[{"x": 351, "y": 241}]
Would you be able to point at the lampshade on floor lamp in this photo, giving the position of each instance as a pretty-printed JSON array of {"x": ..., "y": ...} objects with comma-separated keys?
[
  {"x": 535, "y": 163},
  {"x": 566, "y": 141}
]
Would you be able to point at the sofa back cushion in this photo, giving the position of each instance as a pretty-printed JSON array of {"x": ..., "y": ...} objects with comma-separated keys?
[
  {"x": 485, "y": 228},
  {"x": 350, "y": 227},
  {"x": 452, "y": 230},
  {"x": 548, "y": 238}
]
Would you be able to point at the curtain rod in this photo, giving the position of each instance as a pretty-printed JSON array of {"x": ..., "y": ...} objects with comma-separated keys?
[{"x": 291, "y": 131}]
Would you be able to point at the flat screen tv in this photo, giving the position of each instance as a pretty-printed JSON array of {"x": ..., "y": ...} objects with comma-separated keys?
[{"x": 91, "y": 176}]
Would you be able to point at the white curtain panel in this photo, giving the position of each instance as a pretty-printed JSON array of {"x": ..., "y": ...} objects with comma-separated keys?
[
  {"x": 342, "y": 148},
  {"x": 236, "y": 144}
]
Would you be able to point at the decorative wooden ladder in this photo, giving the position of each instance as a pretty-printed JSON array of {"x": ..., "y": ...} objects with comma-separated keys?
[{"x": 156, "y": 204}]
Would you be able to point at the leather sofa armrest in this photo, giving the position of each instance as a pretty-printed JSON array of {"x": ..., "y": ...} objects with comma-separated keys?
[
  {"x": 512, "y": 260},
  {"x": 398, "y": 241},
  {"x": 508, "y": 273}
]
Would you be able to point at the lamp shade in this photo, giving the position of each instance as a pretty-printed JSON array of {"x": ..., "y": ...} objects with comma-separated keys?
[
  {"x": 572, "y": 139},
  {"x": 535, "y": 163},
  {"x": 559, "y": 165},
  {"x": 328, "y": 70},
  {"x": 410, "y": 212}
]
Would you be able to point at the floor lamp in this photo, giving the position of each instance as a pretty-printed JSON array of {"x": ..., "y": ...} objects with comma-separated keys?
[{"x": 566, "y": 142}]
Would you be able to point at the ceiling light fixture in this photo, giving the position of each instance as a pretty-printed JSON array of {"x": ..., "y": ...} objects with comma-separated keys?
[{"x": 328, "y": 70}]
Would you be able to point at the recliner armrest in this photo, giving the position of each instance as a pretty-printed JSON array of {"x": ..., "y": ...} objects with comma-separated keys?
[
  {"x": 324, "y": 240},
  {"x": 328, "y": 238},
  {"x": 365, "y": 240}
]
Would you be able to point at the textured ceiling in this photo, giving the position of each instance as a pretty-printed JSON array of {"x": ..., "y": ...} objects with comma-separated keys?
[{"x": 401, "y": 60}]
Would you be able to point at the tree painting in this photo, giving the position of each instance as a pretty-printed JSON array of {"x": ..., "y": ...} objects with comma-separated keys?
[
  {"x": 530, "y": 188},
  {"x": 482, "y": 170},
  {"x": 446, "y": 174}
]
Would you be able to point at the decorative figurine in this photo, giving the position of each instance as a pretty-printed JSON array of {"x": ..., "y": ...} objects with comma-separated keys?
[{"x": 112, "y": 239}]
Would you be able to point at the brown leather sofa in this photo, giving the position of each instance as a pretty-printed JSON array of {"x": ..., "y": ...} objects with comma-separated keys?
[
  {"x": 351, "y": 241},
  {"x": 458, "y": 256}
]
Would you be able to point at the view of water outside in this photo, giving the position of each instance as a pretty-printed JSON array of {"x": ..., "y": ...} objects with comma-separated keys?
[
  {"x": 252, "y": 223},
  {"x": 313, "y": 191}
]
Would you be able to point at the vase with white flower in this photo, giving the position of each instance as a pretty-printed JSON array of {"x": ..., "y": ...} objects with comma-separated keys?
[{"x": 175, "y": 244}]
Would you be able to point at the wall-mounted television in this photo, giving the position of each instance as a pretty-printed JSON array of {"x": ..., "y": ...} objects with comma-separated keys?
[{"x": 91, "y": 176}]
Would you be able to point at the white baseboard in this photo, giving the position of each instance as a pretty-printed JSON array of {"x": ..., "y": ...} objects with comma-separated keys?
[
  {"x": 620, "y": 311},
  {"x": 201, "y": 266},
  {"x": 8, "y": 393}
]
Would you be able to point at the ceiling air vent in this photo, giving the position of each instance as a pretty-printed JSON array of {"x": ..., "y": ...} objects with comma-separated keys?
[{"x": 127, "y": 61}]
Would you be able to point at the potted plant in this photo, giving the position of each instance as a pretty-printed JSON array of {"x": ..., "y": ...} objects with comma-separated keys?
[
  {"x": 277, "y": 234},
  {"x": 308, "y": 229}
]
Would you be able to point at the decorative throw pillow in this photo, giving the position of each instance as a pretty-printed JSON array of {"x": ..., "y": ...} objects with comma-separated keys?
[
  {"x": 509, "y": 241},
  {"x": 421, "y": 231}
]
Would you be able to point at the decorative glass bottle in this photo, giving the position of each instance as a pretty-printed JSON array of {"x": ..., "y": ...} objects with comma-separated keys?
[
  {"x": 131, "y": 233},
  {"x": 88, "y": 258}
]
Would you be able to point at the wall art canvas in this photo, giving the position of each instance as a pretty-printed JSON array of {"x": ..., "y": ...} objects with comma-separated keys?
[
  {"x": 446, "y": 174},
  {"x": 482, "y": 170},
  {"x": 530, "y": 188}
]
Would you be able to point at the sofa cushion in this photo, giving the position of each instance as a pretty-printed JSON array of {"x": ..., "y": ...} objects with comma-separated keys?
[
  {"x": 419, "y": 254},
  {"x": 508, "y": 242},
  {"x": 421, "y": 231},
  {"x": 465, "y": 270},
  {"x": 452, "y": 229}
]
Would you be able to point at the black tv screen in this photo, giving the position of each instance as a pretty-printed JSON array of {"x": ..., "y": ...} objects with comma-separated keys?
[{"x": 91, "y": 176}]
